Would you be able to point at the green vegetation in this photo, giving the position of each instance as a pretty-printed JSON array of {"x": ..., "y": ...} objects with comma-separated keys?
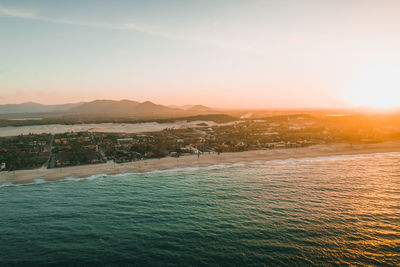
[
  {"x": 288, "y": 131},
  {"x": 24, "y": 151},
  {"x": 67, "y": 119}
]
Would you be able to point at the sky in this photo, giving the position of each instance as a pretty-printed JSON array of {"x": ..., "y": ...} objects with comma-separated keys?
[{"x": 220, "y": 53}]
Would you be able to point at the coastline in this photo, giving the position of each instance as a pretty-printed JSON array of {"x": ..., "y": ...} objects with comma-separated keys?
[{"x": 109, "y": 168}]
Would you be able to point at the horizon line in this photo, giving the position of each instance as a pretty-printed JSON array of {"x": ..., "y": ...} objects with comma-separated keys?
[{"x": 220, "y": 108}]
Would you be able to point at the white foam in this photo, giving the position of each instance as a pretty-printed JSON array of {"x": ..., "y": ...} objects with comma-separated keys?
[
  {"x": 39, "y": 181},
  {"x": 175, "y": 170},
  {"x": 92, "y": 177},
  {"x": 95, "y": 176},
  {"x": 328, "y": 158},
  {"x": 216, "y": 167},
  {"x": 35, "y": 182},
  {"x": 223, "y": 166},
  {"x": 237, "y": 164},
  {"x": 7, "y": 184},
  {"x": 122, "y": 174}
]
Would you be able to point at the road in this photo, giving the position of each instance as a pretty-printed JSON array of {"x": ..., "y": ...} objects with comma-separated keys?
[{"x": 50, "y": 163}]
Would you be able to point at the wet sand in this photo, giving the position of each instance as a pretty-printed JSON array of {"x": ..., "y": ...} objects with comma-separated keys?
[{"x": 109, "y": 168}]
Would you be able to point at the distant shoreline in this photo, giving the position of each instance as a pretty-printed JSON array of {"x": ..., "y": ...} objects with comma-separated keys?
[
  {"x": 110, "y": 127},
  {"x": 109, "y": 168}
]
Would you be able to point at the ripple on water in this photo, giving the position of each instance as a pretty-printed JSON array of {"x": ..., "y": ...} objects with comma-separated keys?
[{"x": 323, "y": 211}]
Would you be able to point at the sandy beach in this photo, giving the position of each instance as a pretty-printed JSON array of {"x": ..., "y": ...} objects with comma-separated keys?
[{"x": 109, "y": 168}]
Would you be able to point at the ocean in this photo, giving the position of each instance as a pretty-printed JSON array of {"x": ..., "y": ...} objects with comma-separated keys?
[{"x": 341, "y": 210}]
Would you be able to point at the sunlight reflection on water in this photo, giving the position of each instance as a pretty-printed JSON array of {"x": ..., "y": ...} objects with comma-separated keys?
[{"x": 323, "y": 211}]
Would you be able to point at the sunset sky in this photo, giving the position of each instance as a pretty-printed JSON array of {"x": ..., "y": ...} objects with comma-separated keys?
[{"x": 232, "y": 54}]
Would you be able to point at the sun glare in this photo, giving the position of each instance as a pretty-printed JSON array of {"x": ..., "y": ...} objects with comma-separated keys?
[{"x": 377, "y": 87}]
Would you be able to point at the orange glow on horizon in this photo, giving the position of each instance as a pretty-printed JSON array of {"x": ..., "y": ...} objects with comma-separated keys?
[{"x": 376, "y": 87}]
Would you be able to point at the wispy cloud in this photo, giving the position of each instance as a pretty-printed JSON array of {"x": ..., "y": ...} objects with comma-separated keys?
[
  {"x": 33, "y": 15},
  {"x": 183, "y": 37},
  {"x": 17, "y": 13},
  {"x": 145, "y": 29}
]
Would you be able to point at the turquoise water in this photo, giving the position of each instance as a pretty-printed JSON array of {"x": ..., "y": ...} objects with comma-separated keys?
[{"x": 322, "y": 211}]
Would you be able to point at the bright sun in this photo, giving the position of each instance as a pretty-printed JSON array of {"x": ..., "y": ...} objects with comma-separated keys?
[{"x": 377, "y": 87}]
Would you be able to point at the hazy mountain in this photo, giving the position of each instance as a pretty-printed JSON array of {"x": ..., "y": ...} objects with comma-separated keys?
[
  {"x": 193, "y": 107},
  {"x": 199, "y": 108},
  {"x": 150, "y": 107},
  {"x": 107, "y": 108},
  {"x": 125, "y": 108},
  {"x": 32, "y": 107}
]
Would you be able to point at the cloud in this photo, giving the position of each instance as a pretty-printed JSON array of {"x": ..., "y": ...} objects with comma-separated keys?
[
  {"x": 28, "y": 14},
  {"x": 183, "y": 37},
  {"x": 145, "y": 29},
  {"x": 17, "y": 13}
]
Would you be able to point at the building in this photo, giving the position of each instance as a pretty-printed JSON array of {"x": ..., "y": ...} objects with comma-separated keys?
[{"x": 121, "y": 140}]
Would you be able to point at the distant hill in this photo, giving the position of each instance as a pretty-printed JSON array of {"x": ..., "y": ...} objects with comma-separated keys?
[
  {"x": 32, "y": 107},
  {"x": 195, "y": 108},
  {"x": 200, "y": 108},
  {"x": 106, "y": 109},
  {"x": 125, "y": 108},
  {"x": 105, "y": 106}
]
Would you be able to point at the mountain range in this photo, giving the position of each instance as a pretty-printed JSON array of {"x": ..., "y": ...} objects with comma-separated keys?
[
  {"x": 32, "y": 107},
  {"x": 106, "y": 108}
]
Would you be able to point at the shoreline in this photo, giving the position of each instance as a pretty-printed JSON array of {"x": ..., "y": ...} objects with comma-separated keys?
[
  {"x": 103, "y": 127},
  {"x": 167, "y": 163}
]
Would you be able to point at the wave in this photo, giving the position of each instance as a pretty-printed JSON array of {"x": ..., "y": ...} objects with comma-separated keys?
[
  {"x": 223, "y": 166},
  {"x": 92, "y": 177},
  {"x": 328, "y": 158},
  {"x": 96, "y": 176},
  {"x": 213, "y": 167},
  {"x": 35, "y": 182},
  {"x": 175, "y": 170}
]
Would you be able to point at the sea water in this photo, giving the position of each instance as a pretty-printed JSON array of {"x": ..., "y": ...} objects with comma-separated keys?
[{"x": 317, "y": 211}]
